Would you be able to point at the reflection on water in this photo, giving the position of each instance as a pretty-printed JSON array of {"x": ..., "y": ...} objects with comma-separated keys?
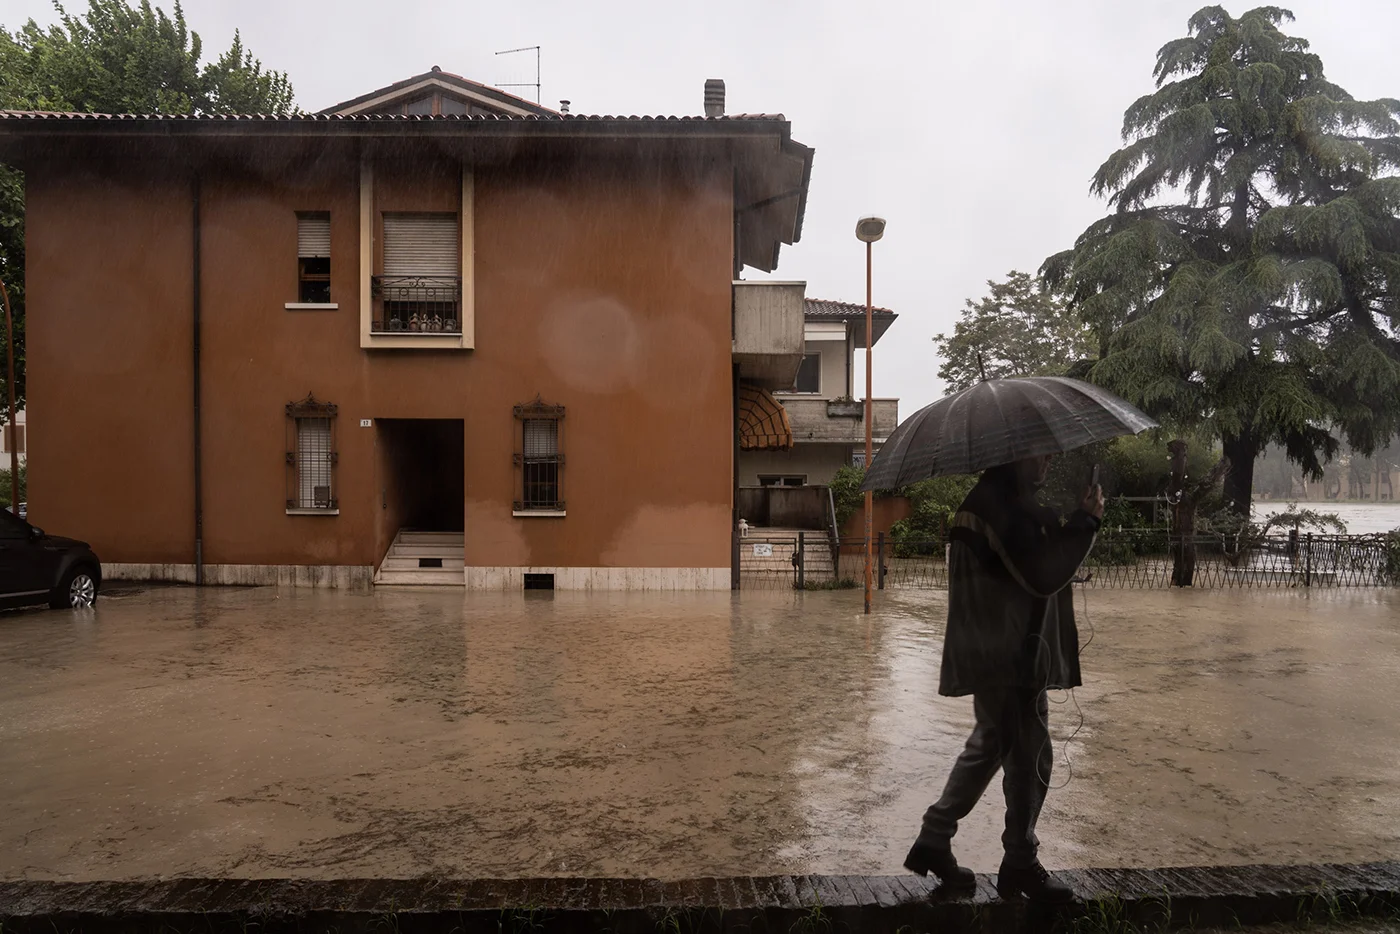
[
  {"x": 283, "y": 733},
  {"x": 1361, "y": 518}
]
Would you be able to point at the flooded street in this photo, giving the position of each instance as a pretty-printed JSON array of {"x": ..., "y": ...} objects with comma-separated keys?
[{"x": 260, "y": 733}]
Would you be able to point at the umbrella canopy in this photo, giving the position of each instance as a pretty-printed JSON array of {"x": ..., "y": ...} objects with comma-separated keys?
[{"x": 999, "y": 421}]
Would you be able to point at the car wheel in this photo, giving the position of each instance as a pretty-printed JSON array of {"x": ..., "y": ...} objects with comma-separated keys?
[{"x": 78, "y": 590}]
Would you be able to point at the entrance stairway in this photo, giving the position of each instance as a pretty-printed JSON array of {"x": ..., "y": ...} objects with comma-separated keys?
[
  {"x": 778, "y": 566},
  {"x": 423, "y": 559}
]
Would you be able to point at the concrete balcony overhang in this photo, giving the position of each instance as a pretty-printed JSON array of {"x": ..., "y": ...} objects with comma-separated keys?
[{"x": 768, "y": 332}]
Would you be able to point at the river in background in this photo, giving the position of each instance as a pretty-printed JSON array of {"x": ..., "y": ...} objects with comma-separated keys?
[{"x": 1361, "y": 518}]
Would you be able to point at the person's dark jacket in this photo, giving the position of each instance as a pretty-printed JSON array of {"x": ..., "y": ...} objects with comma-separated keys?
[{"x": 1010, "y": 606}]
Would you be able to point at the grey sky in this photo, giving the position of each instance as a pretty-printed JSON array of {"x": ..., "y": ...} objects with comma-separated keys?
[{"x": 973, "y": 127}]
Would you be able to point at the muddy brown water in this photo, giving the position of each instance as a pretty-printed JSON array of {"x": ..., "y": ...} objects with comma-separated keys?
[{"x": 261, "y": 733}]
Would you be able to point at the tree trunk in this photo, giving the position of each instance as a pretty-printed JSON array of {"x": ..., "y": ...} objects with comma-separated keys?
[
  {"x": 1183, "y": 540},
  {"x": 1240, "y": 450}
]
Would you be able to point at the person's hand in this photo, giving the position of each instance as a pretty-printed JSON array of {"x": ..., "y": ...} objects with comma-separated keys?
[{"x": 1092, "y": 503}]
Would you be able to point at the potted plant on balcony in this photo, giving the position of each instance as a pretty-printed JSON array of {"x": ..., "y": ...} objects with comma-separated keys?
[{"x": 845, "y": 407}]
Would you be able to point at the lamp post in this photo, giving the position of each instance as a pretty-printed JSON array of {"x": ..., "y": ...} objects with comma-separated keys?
[
  {"x": 10, "y": 385},
  {"x": 868, "y": 230}
]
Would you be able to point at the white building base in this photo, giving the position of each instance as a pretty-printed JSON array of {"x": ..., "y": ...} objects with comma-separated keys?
[
  {"x": 318, "y": 576},
  {"x": 512, "y": 579}
]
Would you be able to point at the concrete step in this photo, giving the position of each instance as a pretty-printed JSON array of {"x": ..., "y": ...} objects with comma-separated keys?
[
  {"x": 412, "y": 563},
  {"x": 421, "y": 577},
  {"x": 400, "y": 550},
  {"x": 430, "y": 538}
]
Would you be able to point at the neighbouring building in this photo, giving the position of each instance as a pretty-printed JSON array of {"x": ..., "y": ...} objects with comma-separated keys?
[
  {"x": 435, "y": 334},
  {"x": 825, "y": 410},
  {"x": 793, "y": 440},
  {"x": 13, "y": 435}
]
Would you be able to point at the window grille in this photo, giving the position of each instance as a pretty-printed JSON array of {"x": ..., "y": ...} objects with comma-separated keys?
[
  {"x": 539, "y": 457},
  {"x": 311, "y": 455}
]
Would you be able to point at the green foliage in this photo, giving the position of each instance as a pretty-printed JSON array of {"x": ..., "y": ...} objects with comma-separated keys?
[
  {"x": 1128, "y": 466},
  {"x": 5, "y": 485},
  {"x": 1020, "y": 329},
  {"x": 114, "y": 59},
  {"x": 933, "y": 502},
  {"x": 1118, "y": 513},
  {"x": 845, "y": 491},
  {"x": 1392, "y": 557},
  {"x": 1248, "y": 280},
  {"x": 840, "y": 583},
  {"x": 122, "y": 59}
]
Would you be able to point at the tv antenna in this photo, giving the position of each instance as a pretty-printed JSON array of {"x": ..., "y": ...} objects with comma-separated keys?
[{"x": 526, "y": 84}]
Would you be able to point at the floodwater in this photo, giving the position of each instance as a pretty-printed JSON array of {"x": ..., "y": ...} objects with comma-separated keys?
[
  {"x": 260, "y": 733},
  {"x": 1361, "y": 518}
]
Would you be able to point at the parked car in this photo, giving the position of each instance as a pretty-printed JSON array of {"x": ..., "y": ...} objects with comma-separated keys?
[{"x": 37, "y": 568}]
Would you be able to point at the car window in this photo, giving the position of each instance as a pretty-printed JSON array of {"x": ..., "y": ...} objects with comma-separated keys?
[{"x": 12, "y": 528}]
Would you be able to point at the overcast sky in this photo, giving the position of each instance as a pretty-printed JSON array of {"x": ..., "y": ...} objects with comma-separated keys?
[{"x": 974, "y": 128}]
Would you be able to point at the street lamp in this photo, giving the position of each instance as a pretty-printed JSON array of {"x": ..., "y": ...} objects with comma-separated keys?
[{"x": 868, "y": 230}]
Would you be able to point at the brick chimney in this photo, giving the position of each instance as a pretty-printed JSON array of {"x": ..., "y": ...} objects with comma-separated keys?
[{"x": 714, "y": 97}]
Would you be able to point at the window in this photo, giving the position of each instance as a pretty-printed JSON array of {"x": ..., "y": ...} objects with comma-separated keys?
[
  {"x": 12, "y": 432},
  {"x": 311, "y": 457},
  {"x": 539, "y": 461},
  {"x": 314, "y": 258},
  {"x": 420, "y": 288},
  {"x": 422, "y": 106},
  {"x": 783, "y": 480},
  {"x": 12, "y": 529},
  {"x": 809, "y": 375}
]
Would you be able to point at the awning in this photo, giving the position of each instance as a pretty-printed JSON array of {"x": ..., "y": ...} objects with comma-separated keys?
[{"x": 763, "y": 422}]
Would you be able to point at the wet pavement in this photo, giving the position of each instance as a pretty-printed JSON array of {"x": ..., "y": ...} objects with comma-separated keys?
[{"x": 265, "y": 733}]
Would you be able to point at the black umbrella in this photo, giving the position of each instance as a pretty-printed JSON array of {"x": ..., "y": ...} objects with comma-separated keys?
[{"x": 999, "y": 421}]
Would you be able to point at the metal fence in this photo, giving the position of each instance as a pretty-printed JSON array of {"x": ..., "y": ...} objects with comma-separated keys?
[{"x": 1127, "y": 559}]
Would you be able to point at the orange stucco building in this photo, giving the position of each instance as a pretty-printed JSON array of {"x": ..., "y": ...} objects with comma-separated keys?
[{"x": 437, "y": 334}]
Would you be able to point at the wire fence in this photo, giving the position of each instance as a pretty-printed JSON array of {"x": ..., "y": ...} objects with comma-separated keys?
[{"x": 1123, "y": 559}]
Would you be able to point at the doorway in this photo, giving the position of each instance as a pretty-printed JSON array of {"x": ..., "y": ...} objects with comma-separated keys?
[{"x": 424, "y": 473}]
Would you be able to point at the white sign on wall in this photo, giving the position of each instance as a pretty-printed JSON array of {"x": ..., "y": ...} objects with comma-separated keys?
[
  {"x": 762, "y": 550},
  {"x": 366, "y": 422}
]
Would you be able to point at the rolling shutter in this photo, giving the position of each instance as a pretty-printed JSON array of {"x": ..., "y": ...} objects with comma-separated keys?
[
  {"x": 313, "y": 235},
  {"x": 420, "y": 245}
]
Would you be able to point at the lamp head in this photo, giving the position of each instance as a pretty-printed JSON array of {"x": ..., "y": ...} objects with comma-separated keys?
[{"x": 870, "y": 229}]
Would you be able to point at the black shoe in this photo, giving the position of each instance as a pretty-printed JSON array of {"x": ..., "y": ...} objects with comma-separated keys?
[
  {"x": 924, "y": 859},
  {"x": 1034, "y": 882}
]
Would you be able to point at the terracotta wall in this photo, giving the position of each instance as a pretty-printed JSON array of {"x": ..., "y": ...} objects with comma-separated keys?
[
  {"x": 601, "y": 287},
  {"x": 888, "y": 511}
]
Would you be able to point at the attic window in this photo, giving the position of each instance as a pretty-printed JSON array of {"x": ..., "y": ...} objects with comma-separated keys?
[{"x": 424, "y": 105}]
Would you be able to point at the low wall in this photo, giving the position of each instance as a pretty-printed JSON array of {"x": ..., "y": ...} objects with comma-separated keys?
[
  {"x": 888, "y": 510},
  {"x": 1129, "y": 899}
]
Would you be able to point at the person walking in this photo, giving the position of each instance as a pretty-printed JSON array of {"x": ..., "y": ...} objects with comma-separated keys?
[{"x": 1010, "y": 637}]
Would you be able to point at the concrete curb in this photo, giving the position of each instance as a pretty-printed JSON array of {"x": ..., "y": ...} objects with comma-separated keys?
[{"x": 1106, "y": 900}]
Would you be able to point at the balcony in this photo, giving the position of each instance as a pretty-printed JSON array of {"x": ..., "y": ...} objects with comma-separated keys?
[
  {"x": 768, "y": 336},
  {"x": 826, "y": 421},
  {"x": 409, "y": 305}
]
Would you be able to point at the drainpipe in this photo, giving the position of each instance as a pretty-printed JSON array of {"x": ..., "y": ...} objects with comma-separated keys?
[
  {"x": 198, "y": 458},
  {"x": 734, "y": 489}
]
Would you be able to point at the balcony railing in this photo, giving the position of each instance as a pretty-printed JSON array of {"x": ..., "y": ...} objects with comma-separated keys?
[
  {"x": 841, "y": 422},
  {"x": 417, "y": 305}
]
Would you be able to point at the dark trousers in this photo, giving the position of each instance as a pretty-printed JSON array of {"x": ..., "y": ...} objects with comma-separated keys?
[{"x": 1010, "y": 735}]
